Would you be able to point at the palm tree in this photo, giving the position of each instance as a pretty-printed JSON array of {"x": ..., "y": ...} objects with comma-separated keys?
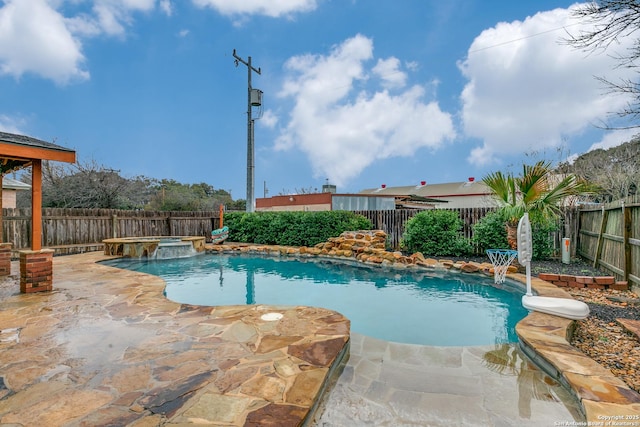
[{"x": 537, "y": 191}]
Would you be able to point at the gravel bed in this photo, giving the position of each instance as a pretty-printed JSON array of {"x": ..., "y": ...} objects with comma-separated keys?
[
  {"x": 609, "y": 313},
  {"x": 576, "y": 267},
  {"x": 603, "y": 339}
]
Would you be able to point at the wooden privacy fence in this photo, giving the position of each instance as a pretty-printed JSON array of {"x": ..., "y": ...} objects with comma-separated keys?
[
  {"x": 393, "y": 222},
  {"x": 67, "y": 227},
  {"x": 89, "y": 227},
  {"x": 610, "y": 238}
]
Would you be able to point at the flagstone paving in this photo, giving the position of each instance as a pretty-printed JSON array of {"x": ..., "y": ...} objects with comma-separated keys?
[
  {"x": 544, "y": 338},
  {"x": 107, "y": 348}
]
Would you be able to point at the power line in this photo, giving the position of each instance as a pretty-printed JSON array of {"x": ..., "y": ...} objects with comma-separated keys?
[{"x": 523, "y": 38}]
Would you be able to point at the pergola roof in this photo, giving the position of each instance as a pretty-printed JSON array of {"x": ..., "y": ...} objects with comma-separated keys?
[{"x": 18, "y": 151}]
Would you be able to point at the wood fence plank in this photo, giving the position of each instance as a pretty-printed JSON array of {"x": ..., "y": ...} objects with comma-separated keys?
[
  {"x": 626, "y": 235},
  {"x": 603, "y": 226}
]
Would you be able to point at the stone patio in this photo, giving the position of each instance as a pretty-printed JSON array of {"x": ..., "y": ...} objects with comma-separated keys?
[{"x": 107, "y": 348}]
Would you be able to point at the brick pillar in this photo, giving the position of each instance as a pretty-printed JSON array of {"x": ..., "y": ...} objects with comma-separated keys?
[
  {"x": 5, "y": 259},
  {"x": 36, "y": 271}
]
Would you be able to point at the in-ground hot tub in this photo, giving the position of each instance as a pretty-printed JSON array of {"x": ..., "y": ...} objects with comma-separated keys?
[{"x": 155, "y": 247}]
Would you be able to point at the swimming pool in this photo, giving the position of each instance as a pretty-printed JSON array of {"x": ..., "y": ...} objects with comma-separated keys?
[{"x": 432, "y": 308}]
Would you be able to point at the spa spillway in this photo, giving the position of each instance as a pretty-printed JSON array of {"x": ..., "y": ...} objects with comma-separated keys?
[{"x": 156, "y": 247}]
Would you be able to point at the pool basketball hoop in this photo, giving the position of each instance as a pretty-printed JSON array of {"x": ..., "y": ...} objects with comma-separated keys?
[{"x": 501, "y": 260}]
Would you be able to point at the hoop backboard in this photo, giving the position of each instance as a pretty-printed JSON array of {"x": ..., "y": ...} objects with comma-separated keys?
[{"x": 525, "y": 241}]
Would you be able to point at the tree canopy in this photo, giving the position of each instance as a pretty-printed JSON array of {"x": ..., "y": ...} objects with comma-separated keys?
[
  {"x": 614, "y": 172},
  {"x": 90, "y": 185}
]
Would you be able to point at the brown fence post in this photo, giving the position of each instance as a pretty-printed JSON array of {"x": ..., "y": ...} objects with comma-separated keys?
[
  {"x": 114, "y": 225},
  {"x": 603, "y": 227},
  {"x": 626, "y": 232}
]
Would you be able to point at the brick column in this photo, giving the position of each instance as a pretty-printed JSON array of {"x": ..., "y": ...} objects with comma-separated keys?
[
  {"x": 5, "y": 259},
  {"x": 36, "y": 271}
]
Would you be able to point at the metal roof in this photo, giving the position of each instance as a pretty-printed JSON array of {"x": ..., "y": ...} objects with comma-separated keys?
[
  {"x": 465, "y": 188},
  {"x": 13, "y": 184}
]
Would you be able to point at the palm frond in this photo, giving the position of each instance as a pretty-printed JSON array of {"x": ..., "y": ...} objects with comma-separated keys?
[
  {"x": 537, "y": 191},
  {"x": 501, "y": 185}
]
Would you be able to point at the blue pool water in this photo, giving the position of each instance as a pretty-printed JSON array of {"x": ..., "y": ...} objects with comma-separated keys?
[{"x": 435, "y": 308}]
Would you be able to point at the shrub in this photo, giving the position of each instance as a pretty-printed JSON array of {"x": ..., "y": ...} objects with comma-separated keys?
[
  {"x": 541, "y": 232},
  {"x": 490, "y": 233},
  {"x": 292, "y": 228},
  {"x": 436, "y": 233}
]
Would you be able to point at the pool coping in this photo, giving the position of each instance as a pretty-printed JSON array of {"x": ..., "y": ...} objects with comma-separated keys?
[{"x": 544, "y": 338}]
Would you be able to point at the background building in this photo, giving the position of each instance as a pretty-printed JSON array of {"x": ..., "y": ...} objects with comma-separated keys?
[
  {"x": 10, "y": 188},
  {"x": 452, "y": 195}
]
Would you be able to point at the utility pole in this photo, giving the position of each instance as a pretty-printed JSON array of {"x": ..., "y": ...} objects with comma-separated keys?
[{"x": 250, "y": 143}]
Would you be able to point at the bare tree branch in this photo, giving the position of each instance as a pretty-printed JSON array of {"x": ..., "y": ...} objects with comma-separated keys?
[{"x": 612, "y": 21}]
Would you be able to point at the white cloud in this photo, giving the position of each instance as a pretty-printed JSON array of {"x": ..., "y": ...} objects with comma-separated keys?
[
  {"x": 183, "y": 33},
  {"x": 614, "y": 138},
  {"x": 112, "y": 17},
  {"x": 269, "y": 119},
  {"x": 272, "y": 8},
  {"x": 526, "y": 89},
  {"x": 610, "y": 139},
  {"x": 166, "y": 7},
  {"x": 35, "y": 39},
  {"x": 412, "y": 65},
  {"x": 9, "y": 124},
  {"x": 389, "y": 71},
  {"x": 341, "y": 133}
]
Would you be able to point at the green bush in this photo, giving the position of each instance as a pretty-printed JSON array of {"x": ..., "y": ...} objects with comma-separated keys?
[
  {"x": 292, "y": 228},
  {"x": 542, "y": 239},
  {"x": 435, "y": 233},
  {"x": 490, "y": 233}
]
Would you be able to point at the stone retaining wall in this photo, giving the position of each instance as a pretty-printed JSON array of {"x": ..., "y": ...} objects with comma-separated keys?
[{"x": 368, "y": 247}]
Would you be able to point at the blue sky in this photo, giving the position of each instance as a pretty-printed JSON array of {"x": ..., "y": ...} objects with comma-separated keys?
[{"x": 360, "y": 93}]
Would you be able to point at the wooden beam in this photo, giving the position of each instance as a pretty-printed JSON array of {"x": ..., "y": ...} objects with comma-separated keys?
[
  {"x": 41, "y": 153},
  {"x": 36, "y": 205}
]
